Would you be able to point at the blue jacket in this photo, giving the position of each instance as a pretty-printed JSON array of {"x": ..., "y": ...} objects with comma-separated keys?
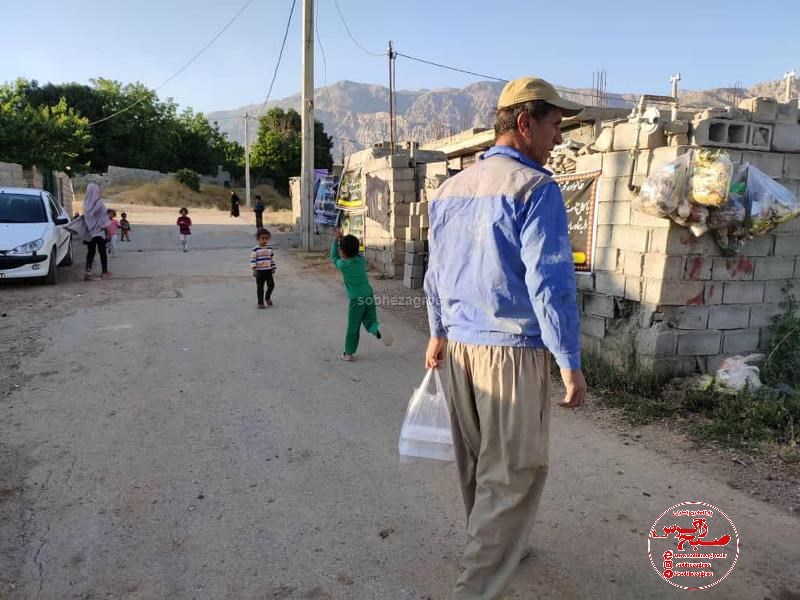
[{"x": 500, "y": 270}]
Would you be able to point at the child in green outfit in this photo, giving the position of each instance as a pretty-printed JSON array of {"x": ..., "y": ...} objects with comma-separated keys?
[{"x": 345, "y": 256}]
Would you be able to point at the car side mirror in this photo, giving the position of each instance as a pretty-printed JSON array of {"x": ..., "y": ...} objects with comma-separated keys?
[{"x": 62, "y": 220}]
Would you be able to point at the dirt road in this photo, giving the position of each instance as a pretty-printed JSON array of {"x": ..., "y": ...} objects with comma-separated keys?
[{"x": 160, "y": 438}]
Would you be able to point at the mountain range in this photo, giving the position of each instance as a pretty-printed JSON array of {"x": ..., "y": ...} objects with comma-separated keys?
[{"x": 356, "y": 114}]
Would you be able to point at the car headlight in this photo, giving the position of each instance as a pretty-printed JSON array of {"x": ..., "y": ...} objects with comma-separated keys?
[{"x": 28, "y": 248}]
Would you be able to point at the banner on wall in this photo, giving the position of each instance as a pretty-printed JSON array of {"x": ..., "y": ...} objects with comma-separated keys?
[
  {"x": 580, "y": 198},
  {"x": 351, "y": 196},
  {"x": 325, "y": 211}
]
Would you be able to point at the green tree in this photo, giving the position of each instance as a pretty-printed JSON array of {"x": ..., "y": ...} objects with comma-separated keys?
[
  {"x": 277, "y": 148},
  {"x": 50, "y": 135}
]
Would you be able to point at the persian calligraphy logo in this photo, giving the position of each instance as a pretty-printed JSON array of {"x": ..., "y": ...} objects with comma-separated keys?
[{"x": 693, "y": 545}]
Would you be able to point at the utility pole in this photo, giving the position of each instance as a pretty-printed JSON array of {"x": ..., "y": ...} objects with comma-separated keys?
[
  {"x": 674, "y": 80},
  {"x": 789, "y": 77},
  {"x": 307, "y": 107},
  {"x": 391, "y": 98},
  {"x": 246, "y": 162}
]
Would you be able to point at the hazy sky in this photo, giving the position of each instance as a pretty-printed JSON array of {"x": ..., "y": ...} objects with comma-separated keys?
[{"x": 712, "y": 43}]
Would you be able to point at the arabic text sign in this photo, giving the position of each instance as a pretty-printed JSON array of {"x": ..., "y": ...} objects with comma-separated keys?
[{"x": 580, "y": 196}]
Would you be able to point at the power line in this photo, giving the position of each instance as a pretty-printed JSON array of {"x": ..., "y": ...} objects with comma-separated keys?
[
  {"x": 280, "y": 56},
  {"x": 183, "y": 68},
  {"x": 485, "y": 76},
  {"x": 355, "y": 41},
  {"x": 441, "y": 66}
]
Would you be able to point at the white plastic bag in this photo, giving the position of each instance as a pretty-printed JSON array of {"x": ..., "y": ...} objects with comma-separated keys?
[
  {"x": 736, "y": 373},
  {"x": 426, "y": 429}
]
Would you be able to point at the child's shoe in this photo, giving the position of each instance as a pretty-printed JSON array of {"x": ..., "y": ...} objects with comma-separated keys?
[{"x": 347, "y": 357}]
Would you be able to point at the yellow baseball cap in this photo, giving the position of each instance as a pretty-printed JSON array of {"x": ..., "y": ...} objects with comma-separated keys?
[{"x": 526, "y": 89}]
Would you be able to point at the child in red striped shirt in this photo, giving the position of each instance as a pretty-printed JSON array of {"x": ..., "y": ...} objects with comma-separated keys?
[{"x": 262, "y": 262}]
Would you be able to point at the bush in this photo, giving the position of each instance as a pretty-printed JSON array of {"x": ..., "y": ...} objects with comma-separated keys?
[
  {"x": 782, "y": 365},
  {"x": 188, "y": 178}
]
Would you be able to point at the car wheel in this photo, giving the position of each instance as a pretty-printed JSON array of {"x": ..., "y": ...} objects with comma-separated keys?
[
  {"x": 52, "y": 273},
  {"x": 68, "y": 258}
]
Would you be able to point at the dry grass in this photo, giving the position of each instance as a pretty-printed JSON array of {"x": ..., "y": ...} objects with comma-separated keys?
[{"x": 169, "y": 192}]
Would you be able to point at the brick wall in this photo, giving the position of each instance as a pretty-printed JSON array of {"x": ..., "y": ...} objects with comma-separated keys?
[{"x": 672, "y": 297}]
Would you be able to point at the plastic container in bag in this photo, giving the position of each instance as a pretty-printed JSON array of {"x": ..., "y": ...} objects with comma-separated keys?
[
  {"x": 426, "y": 429},
  {"x": 663, "y": 191},
  {"x": 710, "y": 178},
  {"x": 770, "y": 203}
]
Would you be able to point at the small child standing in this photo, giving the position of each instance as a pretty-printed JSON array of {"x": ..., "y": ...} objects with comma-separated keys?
[
  {"x": 262, "y": 262},
  {"x": 185, "y": 228},
  {"x": 346, "y": 258},
  {"x": 112, "y": 232},
  {"x": 125, "y": 228}
]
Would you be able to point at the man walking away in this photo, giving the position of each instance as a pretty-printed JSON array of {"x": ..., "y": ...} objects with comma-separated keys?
[{"x": 502, "y": 300}]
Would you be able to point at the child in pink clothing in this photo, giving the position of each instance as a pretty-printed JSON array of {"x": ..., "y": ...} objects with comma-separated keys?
[{"x": 112, "y": 231}]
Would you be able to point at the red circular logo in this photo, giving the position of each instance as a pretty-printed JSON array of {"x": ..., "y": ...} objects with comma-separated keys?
[{"x": 693, "y": 545}]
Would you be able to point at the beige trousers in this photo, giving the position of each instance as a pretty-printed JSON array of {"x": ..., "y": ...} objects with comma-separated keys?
[{"x": 499, "y": 401}]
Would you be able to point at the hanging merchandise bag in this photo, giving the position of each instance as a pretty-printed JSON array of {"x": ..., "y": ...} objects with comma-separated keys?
[{"x": 426, "y": 429}]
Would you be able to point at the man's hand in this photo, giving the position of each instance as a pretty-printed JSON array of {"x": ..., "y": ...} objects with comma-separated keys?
[
  {"x": 434, "y": 354},
  {"x": 337, "y": 233},
  {"x": 575, "y": 383}
]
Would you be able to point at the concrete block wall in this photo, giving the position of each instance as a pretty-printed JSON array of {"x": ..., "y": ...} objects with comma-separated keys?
[
  {"x": 669, "y": 296},
  {"x": 11, "y": 175}
]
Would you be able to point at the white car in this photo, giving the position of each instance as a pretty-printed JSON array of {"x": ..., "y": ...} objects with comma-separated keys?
[{"x": 33, "y": 240}]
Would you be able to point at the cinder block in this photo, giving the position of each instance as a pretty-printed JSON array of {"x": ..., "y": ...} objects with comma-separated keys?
[
  {"x": 698, "y": 268},
  {"x": 605, "y": 259},
  {"x": 733, "y": 269},
  {"x": 656, "y": 341},
  {"x": 417, "y": 271},
  {"x": 412, "y": 234},
  {"x": 743, "y": 292},
  {"x": 604, "y": 236},
  {"x": 686, "y": 317},
  {"x": 634, "y": 288},
  {"x": 699, "y": 343},
  {"x": 729, "y": 316},
  {"x": 403, "y": 185},
  {"x": 723, "y": 133},
  {"x": 633, "y": 264},
  {"x": 765, "y": 340},
  {"x": 679, "y": 241},
  {"x": 787, "y": 245},
  {"x": 641, "y": 219},
  {"x": 593, "y": 326},
  {"x": 786, "y": 138},
  {"x": 415, "y": 259},
  {"x": 614, "y": 213},
  {"x": 584, "y": 282},
  {"x": 674, "y": 293},
  {"x": 761, "y": 136},
  {"x": 416, "y": 247},
  {"x": 599, "y": 305},
  {"x": 775, "y": 291},
  {"x": 626, "y": 134},
  {"x": 397, "y": 220},
  {"x": 712, "y": 294},
  {"x": 671, "y": 366},
  {"x": 401, "y": 209},
  {"x": 626, "y": 237},
  {"x": 763, "y": 245},
  {"x": 791, "y": 166},
  {"x": 770, "y": 163},
  {"x": 606, "y": 189},
  {"x": 761, "y": 314},
  {"x": 762, "y": 110},
  {"x": 589, "y": 162},
  {"x": 774, "y": 267},
  {"x": 616, "y": 164},
  {"x": 741, "y": 342},
  {"x": 612, "y": 284},
  {"x": 787, "y": 112}
]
